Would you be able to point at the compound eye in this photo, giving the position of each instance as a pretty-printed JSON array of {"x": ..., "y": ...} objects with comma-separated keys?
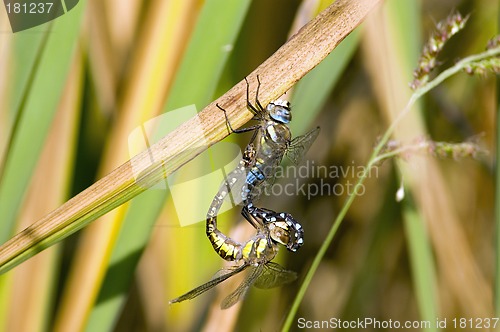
[
  {"x": 280, "y": 234},
  {"x": 280, "y": 111}
]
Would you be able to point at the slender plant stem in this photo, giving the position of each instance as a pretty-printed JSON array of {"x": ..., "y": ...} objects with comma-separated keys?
[
  {"x": 373, "y": 160},
  {"x": 496, "y": 298},
  {"x": 20, "y": 110},
  {"x": 399, "y": 151},
  {"x": 496, "y": 304}
]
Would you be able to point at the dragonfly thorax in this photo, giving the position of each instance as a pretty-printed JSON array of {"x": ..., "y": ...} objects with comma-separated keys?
[
  {"x": 279, "y": 110},
  {"x": 258, "y": 250},
  {"x": 277, "y": 133}
]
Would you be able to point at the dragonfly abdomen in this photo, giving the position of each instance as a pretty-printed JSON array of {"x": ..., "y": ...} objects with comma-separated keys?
[
  {"x": 226, "y": 247},
  {"x": 255, "y": 250}
]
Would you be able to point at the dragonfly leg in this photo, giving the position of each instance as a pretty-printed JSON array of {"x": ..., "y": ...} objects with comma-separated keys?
[
  {"x": 257, "y": 102},
  {"x": 237, "y": 131},
  {"x": 249, "y": 105},
  {"x": 255, "y": 222}
]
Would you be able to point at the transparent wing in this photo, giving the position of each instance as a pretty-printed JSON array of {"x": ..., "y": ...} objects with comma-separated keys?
[
  {"x": 219, "y": 277},
  {"x": 300, "y": 145},
  {"x": 240, "y": 292},
  {"x": 274, "y": 275},
  {"x": 295, "y": 152}
]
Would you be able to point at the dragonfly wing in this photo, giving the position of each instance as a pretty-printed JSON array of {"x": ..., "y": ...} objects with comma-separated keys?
[
  {"x": 240, "y": 292},
  {"x": 219, "y": 277},
  {"x": 274, "y": 275},
  {"x": 300, "y": 145}
]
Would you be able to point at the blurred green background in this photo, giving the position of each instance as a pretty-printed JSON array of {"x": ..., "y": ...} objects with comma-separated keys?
[{"x": 71, "y": 91}]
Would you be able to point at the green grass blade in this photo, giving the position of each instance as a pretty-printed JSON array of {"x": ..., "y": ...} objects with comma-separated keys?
[
  {"x": 311, "y": 92},
  {"x": 31, "y": 300},
  {"x": 132, "y": 240},
  {"x": 207, "y": 53},
  {"x": 404, "y": 19},
  {"x": 422, "y": 263},
  {"x": 37, "y": 113},
  {"x": 497, "y": 203},
  {"x": 497, "y": 214},
  {"x": 28, "y": 53}
]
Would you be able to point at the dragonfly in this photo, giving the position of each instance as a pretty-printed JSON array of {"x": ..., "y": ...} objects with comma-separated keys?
[
  {"x": 270, "y": 142},
  {"x": 273, "y": 229}
]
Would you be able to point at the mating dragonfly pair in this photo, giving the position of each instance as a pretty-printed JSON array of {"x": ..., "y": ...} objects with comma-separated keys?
[{"x": 271, "y": 141}]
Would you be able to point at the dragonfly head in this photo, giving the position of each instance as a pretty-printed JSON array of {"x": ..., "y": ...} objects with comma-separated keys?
[
  {"x": 287, "y": 231},
  {"x": 279, "y": 110}
]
